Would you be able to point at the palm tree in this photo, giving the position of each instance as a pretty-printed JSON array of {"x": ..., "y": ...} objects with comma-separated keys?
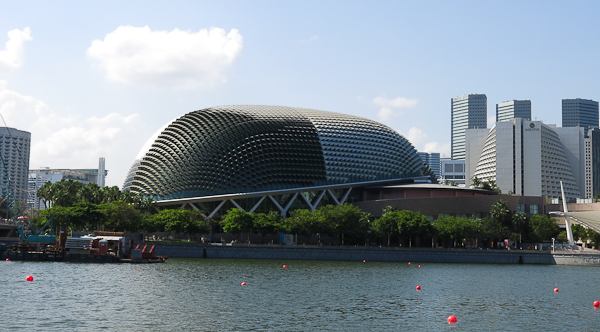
[{"x": 45, "y": 192}]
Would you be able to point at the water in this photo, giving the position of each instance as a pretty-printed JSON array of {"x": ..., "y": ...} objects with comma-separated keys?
[{"x": 206, "y": 295}]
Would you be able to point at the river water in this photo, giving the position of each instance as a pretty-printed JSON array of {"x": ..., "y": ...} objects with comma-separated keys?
[{"x": 206, "y": 295}]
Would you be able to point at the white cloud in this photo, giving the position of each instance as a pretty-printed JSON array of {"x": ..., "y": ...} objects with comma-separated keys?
[
  {"x": 71, "y": 141},
  {"x": 174, "y": 59},
  {"x": 386, "y": 112},
  {"x": 419, "y": 140},
  {"x": 10, "y": 58},
  {"x": 313, "y": 38},
  {"x": 398, "y": 102}
]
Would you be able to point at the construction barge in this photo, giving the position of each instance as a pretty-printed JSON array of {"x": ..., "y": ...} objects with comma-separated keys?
[{"x": 98, "y": 247}]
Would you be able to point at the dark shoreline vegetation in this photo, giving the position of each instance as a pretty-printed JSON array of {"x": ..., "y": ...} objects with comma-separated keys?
[{"x": 78, "y": 207}]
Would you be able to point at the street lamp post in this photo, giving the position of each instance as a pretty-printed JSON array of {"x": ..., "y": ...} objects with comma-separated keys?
[{"x": 552, "y": 245}]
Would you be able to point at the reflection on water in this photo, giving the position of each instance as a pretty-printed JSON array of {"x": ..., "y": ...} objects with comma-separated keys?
[{"x": 206, "y": 295}]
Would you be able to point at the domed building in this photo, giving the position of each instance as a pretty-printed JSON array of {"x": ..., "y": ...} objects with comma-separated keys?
[{"x": 240, "y": 156}]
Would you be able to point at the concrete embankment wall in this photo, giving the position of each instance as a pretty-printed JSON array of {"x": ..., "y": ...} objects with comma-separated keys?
[
  {"x": 577, "y": 259},
  {"x": 357, "y": 254}
]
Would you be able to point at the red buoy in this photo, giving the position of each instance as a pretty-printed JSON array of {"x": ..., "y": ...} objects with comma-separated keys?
[
  {"x": 29, "y": 278},
  {"x": 408, "y": 263},
  {"x": 452, "y": 319},
  {"x": 364, "y": 260},
  {"x": 555, "y": 290},
  {"x": 418, "y": 287},
  {"x": 8, "y": 260},
  {"x": 284, "y": 266},
  {"x": 244, "y": 283},
  {"x": 419, "y": 266},
  {"x": 596, "y": 304}
]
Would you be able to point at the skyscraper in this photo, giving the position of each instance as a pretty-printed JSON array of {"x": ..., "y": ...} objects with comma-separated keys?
[
  {"x": 513, "y": 109},
  {"x": 14, "y": 149},
  {"x": 432, "y": 160},
  {"x": 579, "y": 113},
  {"x": 468, "y": 112}
]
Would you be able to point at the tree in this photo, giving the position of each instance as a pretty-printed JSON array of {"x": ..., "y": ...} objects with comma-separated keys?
[
  {"x": 120, "y": 216},
  {"x": 237, "y": 221},
  {"x": 475, "y": 182},
  {"x": 501, "y": 213},
  {"x": 520, "y": 225},
  {"x": 485, "y": 184},
  {"x": 452, "y": 228},
  {"x": 492, "y": 229},
  {"x": 411, "y": 224},
  {"x": 341, "y": 219},
  {"x": 387, "y": 225},
  {"x": 579, "y": 233},
  {"x": 543, "y": 228},
  {"x": 266, "y": 223}
]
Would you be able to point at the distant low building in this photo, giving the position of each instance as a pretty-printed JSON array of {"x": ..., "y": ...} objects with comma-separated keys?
[
  {"x": 453, "y": 171},
  {"x": 37, "y": 178}
]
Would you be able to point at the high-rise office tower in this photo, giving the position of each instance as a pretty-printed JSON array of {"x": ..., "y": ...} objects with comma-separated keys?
[
  {"x": 432, "y": 160},
  {"x": 468, "y": 112},
  {"x": 579, "y": 113},
  {"x": 513, "y": 109},
  {"x": 14, "y": 148}
]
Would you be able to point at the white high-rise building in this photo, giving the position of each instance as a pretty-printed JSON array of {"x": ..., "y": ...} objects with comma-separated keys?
[
  {"x": 513, "y": 109},
  {"x": 468, "y": 112},
  {"x": 14, "y": 149},
  {"x": 528, "y": 158},
  {"x": 101, "y": 172}
]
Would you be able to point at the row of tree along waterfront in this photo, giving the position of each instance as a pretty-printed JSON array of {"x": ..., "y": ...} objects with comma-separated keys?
[{"x": 78, "y": 207}]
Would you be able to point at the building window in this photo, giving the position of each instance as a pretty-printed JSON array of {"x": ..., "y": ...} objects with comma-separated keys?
[
  {"x": 449, "y": 168},
  {"x": 533, "y": 209},
  {"x": 521, "y": 208}
]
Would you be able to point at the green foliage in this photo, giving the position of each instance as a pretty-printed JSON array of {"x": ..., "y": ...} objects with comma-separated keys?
[
  {"x": 501, "y": 213},
  {"x": 236, "y": 221},
  {"x": 342, "y": 219},
  {"x": 594, "y": 238},
  {"x": 266, "y": 223},
  {"x": 543, "y": 228},
  {"x": 120, "y": 216},
  {"x": 579, "y": 232},
  {"x": 451, "y": 227},
  {"x": 485, "y": 184},
  {"x": 405, "y": 223},
  {"x": 386, "y": 226},
  {"x": 493, "y": 229}
]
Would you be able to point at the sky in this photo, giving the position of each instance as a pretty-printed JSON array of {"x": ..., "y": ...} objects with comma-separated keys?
[{"x": 93, "y": 79}]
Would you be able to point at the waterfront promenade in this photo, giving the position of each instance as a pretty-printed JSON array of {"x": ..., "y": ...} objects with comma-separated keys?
[{"x": 376, "y": 254}]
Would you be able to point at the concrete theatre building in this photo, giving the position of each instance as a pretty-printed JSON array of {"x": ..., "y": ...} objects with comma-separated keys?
[{"x": 528, "y": 158}]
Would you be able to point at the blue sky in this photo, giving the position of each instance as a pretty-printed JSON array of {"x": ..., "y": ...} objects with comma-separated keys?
[{"x": 96, "y": 79}]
